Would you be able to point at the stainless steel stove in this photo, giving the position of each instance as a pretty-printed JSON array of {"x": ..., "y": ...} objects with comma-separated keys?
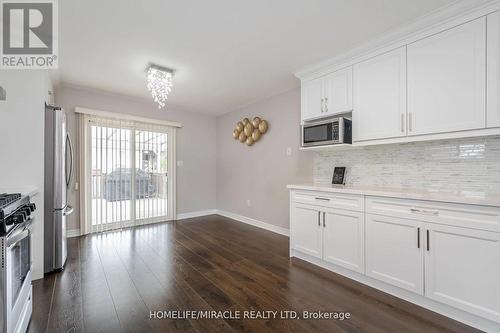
[{"x": 15, "y": 262}]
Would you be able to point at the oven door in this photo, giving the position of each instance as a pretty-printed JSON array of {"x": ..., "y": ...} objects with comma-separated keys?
[
  {"x": 320, "y": 133},
  {"x": 18, "y": 274},
  {"x": 18, "y": 262}
]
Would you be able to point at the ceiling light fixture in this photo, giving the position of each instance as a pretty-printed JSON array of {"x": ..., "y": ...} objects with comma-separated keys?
[{"x": 159, "y": 83}]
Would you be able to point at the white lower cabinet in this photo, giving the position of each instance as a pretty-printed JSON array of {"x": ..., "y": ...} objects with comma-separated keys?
[
  {"x": 343, "y": 239},
  {"x": 306, "y": 229},
  {"x": 333, "y": 235},
  {"x": 394, "y": 252},
  {"x": 445, "y": 252},
  {"x": 462, "y": 269},
  {"x": 452, "y": 265}
]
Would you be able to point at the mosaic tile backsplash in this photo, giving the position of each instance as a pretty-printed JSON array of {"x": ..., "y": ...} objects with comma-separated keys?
[{"x": 461, "y": 164}]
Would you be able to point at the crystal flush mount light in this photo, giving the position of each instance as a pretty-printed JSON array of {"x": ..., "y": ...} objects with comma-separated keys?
[{"x": 159, "y": 83}]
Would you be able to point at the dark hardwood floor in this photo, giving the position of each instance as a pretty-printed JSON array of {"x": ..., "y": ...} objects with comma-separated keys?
[{"x": 113, "y": 280}]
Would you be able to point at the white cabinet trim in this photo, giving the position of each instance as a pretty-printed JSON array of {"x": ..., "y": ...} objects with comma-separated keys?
[
  {"x": 493, "y": 70},
  {"x": 433, "y": 23}
]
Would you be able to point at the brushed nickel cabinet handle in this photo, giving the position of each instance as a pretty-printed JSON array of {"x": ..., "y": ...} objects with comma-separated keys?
[
  {"x": 322, "y": 199},
  {"x": 322, "y": 105},
  {"x": 424, "y": 211},
  {"x": 402, "y": 122},
  {"x": 428, "y": 246},
  {"x": 319, "y": 218},
  {"x": 324, "y": 217},
  {"x": 326, "y": 104},
  {"x": 410, "y": 121},
  {"x": 418, "y": 237}
]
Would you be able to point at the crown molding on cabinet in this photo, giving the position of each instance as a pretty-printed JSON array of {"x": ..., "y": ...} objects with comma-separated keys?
[{"x": 439, "y": 20}]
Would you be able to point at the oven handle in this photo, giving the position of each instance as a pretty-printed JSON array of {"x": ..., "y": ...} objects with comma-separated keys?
[{"x": 16, "y": 237}]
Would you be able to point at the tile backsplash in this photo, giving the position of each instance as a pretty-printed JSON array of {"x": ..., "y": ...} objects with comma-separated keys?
[{"x": 461, "y": 164}]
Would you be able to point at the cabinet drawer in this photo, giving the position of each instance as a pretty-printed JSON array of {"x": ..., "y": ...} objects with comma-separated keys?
[
  {"x": 467, "y": 216},
  {"x": 331, "y": 200}
]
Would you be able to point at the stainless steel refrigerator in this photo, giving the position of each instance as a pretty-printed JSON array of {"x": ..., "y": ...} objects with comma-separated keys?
[{"x": 58, "y": 174}]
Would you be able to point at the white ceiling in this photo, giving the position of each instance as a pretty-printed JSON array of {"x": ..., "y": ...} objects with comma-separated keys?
[{"x": 226, "y": 53}]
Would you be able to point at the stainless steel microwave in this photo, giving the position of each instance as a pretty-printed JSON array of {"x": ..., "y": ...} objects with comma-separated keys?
[{"x": 327, "y": 132}]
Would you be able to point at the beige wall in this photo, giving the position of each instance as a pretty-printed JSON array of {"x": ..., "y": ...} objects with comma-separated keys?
[
  {"x": 260, "y": 173},
  {"x": 195, "y": 144}
]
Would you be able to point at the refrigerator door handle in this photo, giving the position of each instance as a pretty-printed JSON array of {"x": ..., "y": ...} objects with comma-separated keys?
[
  {"x": 70, "y": 146},
  {"x": 68, "y": 210}
]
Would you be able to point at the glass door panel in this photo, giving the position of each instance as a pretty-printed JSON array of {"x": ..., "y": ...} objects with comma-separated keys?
[
  {"x": 151, "y": 161},
  {"x": 110, "y": 177},
  {"x": 128, "y": 174}
]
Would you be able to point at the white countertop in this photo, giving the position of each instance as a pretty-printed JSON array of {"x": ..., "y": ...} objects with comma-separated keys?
[{"x": 462, "y": 197}]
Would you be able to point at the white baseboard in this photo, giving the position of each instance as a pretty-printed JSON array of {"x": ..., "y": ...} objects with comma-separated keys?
[
  {"x": 255, "y": 223},
  {"x": 196, "y": 214},
  {"x": 72, "y": 233}
]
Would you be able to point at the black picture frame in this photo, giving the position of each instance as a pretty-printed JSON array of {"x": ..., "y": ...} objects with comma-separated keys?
[{"x": 338, "y": 176}]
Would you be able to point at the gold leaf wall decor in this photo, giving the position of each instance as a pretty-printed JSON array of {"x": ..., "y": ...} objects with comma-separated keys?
[{"x": 249, "y": 132}]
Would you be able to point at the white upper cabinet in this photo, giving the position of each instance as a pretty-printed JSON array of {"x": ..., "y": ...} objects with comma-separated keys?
[
  {"x": 311, "y": 99},
  {"x": 338, "y": 91},
  {"x": 380, "y": 97},
  {"x": 447, "y": 80},
  {"x": 462, "y": 269},
  {"x": 493, "y": 61},
  {"x": 327, "y": 96}
]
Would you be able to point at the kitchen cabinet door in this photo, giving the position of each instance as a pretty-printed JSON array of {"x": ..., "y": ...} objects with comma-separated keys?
[
  {"x": 311, "y": 99},
  {"x": 380, "y": 97},
  {"x": 394, "y": 252},
  {"x": 338, "y": 92},
  {"x": 462, "y": 269},
  {"x": 447, "y": 80},
  {"x": 343, "y": 238},
  {"x": 306, "y": 230},
  {"x": 493, "y": 72}
]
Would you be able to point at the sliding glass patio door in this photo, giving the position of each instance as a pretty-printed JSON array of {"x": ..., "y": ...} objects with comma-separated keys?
[
  {"x": 128, "y": 174},
  {"x": 151, "y": 161}
]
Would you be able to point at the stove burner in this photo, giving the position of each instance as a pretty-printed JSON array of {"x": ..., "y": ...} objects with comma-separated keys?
[
  {"x": 6, "y": 199},
  {"x": 14, "y": 209}
]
